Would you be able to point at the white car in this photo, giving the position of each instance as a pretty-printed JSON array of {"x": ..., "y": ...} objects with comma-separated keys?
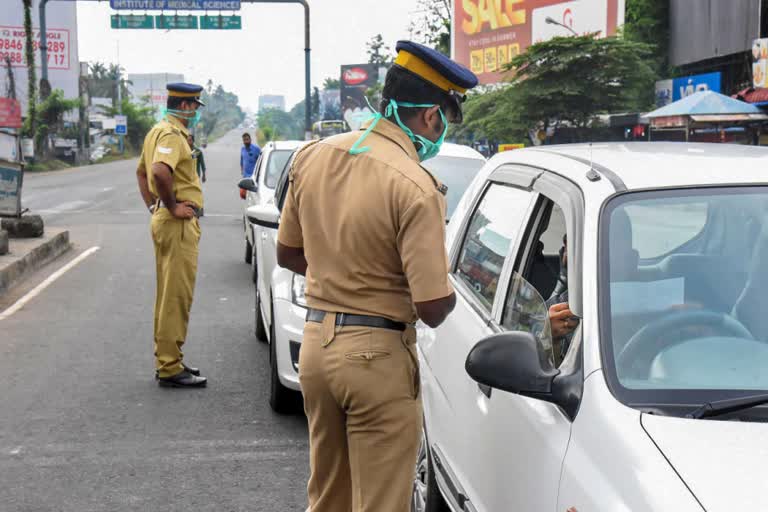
[
  {"x": 656, "y": 401},
  {"x": 280, "y": 305},
  {"x": 260, "y": 186}
]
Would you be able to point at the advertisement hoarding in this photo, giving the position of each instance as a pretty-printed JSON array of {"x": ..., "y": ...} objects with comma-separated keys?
[
  {"x": 674, "y": 89},
  {"x": 488, "y": 34},
  {"x": 759, "y": 63},
  {"x": 63, "y": 69},
  {"x": 355, "y": 80}
]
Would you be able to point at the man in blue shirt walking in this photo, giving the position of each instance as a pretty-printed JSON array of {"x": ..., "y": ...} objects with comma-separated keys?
[{"x": 249, "y": 154}]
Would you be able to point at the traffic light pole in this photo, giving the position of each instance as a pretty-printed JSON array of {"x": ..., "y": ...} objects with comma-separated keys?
[{"x": 307, "y": 52}]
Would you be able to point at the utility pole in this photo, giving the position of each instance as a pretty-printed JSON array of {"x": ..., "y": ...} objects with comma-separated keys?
[{"x": 119, "y": 96}]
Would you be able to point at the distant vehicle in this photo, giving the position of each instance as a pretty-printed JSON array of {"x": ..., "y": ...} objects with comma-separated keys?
[
  {"x": 280, "y": 302},
  {"x": 322, "y": 129}
]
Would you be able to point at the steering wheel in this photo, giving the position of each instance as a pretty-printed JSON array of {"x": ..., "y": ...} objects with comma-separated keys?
[{"x": 646, "y": 343}]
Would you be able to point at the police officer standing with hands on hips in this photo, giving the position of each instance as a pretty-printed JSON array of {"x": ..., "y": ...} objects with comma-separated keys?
[
  {"x": 170, "y": 187},
  {"x": 366, "y": 224}
]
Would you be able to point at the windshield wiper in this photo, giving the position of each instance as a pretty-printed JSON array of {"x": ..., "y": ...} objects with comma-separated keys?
[{"x": 728, "y": 405}]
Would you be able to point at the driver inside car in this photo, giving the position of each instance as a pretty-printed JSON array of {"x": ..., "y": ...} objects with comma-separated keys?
[{"x": 561, "y": 319}]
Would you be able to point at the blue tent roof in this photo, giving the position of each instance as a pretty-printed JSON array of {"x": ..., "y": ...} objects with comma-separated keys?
[{"x": 703, "y": 103}]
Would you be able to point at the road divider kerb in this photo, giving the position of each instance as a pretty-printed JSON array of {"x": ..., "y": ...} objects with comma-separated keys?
[{"x": 45, "y": 284}]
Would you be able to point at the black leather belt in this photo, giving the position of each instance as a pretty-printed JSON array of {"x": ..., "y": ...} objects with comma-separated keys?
[
  {"x": 342, "y": 319},
  {"x": 195, "y": 209}
]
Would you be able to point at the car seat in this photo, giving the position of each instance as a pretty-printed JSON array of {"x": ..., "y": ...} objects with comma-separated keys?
[
  {"x": 623, "y": 257},
  {"x": 751, "y": 308}
]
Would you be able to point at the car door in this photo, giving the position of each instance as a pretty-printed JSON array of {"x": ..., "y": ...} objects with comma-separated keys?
[
  {"x": 450, "y": 397},
  {"x": 521, "y": 441},
  {"x": 268, "y": 246},
  {"x": 252, "y": 198}
]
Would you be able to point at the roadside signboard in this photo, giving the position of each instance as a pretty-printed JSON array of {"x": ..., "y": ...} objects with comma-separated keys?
[
  {"x": 132, "y": 21},
  {"x": 10, "y": 113},
  {"x": 121, "y": 125},
  {"x": 173, "y": 5},
  {"x": 10, "y": 189},
  {"x": 487, "y": 35},
  {"x": 760, "y": 63},
  {"x": 221, "y": 22},
  {"x": 510, "y": 147},
  {"x": 176, "y": 22}
]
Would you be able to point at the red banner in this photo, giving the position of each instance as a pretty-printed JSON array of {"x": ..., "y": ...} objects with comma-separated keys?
[
  {"x": 10, "y": 113},
  {"x": 487, "y": 34}
]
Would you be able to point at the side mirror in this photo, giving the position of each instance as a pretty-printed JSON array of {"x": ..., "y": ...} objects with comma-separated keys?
[
  {"x": 247, "y": 184},
  {"x": 513, "y": 362},
  {"x": 266, "y": 215}
]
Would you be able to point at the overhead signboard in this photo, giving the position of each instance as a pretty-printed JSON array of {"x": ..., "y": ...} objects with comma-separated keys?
[
  {"x": 176, "y": 22},
  {"x": 171, "y": 5},
  {"x": 139, "y": 21},
  {"x": 487, "y": 35},
  {"x": 221, "y": 23},
  {"x": 121, "y": 125}
]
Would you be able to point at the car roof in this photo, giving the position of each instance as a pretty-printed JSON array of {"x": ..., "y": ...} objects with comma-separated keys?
[
  {"x": 284, "y": 144},
  {"x": 640, "y": 165},
  {"x": 459, "y": 150}
]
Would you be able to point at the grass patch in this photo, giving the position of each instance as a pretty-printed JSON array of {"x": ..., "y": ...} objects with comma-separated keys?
[{"x": 48, "y": 165}]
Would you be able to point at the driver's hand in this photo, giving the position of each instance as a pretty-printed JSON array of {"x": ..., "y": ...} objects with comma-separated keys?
[{"x": 562, "y": 320}]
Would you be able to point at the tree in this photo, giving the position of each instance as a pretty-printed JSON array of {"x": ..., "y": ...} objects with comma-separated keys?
[
  {"x": 432, "y": 25},
  {"x": 378, "y": 51},
  {"x": 315, "y": 104},
  {"x": 572, "y": 79},
  {"x": 50, "y": 117},
  {"x": 222, "y": 110},
  {"x": 331, "y": 83},
  {"x": 30, "y": 126}
]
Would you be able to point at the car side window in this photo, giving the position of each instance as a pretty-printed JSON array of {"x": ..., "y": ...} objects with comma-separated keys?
[
  {"x": 541, "y": 282},
  {"x": 282, "y": 184},
  {"x": 257, "y": 168},
  {"x": 492, "y": 229}
]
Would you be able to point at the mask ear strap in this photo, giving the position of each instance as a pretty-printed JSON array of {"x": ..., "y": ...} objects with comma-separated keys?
[{"x": 356, "y": 149}]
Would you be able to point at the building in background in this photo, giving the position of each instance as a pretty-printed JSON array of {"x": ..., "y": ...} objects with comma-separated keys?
[
  {"x": 63, "y": 62},
  {"x": 271, "y": 101},
  {"x": 152, "y": 87},
  {"x": 711, "y": 36},
  {"x": 486, "y": 36}
]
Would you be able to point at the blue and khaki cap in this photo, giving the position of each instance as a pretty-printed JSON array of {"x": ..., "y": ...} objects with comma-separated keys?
[
  {"x": 184, "y": 90},
  {"x": 437, "y": 69}
]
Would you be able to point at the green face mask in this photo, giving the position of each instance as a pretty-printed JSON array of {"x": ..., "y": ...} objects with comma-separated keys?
[
  {"x": 426, "y": 148},
  {"x": 184, "y": 114}
]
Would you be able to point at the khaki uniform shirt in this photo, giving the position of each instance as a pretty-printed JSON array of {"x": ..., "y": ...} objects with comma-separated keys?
[
  {"x": 167, "y": 142},
  {"x": 372, "y": 225}
]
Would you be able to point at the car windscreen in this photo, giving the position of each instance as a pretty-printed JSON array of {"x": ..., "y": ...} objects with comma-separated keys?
[
  {"x": 456, "y": 173},
  {"x": 684, "y": 308},
  {"x": 277, "y": 160}
]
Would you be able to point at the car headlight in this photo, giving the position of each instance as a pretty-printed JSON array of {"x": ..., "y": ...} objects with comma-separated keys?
[{"x": 298, "y": 287}]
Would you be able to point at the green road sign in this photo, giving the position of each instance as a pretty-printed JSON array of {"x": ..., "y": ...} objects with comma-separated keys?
[
  {"x": 175, "y": 22},
  {"x": 132, "y": 21},
  {"x": 221, "y": 23}
]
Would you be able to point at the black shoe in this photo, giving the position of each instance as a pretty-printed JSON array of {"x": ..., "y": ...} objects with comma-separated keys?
[
  {"x": 184, "y": 379},
  {"x": 191, "y": 369}
]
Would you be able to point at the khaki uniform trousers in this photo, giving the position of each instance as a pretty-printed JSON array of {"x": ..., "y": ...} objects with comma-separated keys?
[
  {"x": 361, "y": 397},
  {"x": 176, "y": 248}
]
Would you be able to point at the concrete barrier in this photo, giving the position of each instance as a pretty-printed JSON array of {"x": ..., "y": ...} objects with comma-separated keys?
[{"x": 29, "y": 255}]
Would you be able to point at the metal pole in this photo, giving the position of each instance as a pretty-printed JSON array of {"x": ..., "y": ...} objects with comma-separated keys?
[
  {"x": 119, "y": 97},
  {"x": 43, "y": 42}
]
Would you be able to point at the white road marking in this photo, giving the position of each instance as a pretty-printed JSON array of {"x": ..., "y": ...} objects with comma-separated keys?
[
  {"x": 45, "y": 284},
  {"x": 107, "y": 189}
]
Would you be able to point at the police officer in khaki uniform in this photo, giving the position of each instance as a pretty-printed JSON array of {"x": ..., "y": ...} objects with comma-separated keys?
[
  {"x": 170, "y": 187},
  {"x": 366, "y": 224}
]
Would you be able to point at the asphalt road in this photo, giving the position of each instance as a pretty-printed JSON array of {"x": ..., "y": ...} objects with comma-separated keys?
[{"x": 83, "y": 426}]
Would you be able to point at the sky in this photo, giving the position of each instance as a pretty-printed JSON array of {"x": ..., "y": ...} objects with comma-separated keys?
[{"x": 265, "y": 57}]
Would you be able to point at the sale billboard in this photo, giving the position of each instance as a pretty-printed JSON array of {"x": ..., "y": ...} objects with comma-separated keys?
[
  {"x": 487, "y": 34},
  {"x": 63, "y": 69}
]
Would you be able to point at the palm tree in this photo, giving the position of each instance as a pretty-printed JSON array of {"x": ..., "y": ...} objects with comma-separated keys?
[{"x": 29, "y": 52}]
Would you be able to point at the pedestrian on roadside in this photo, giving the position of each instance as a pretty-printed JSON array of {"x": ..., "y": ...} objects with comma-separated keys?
[
  {"x": 249, "y": 155},
  {"x": 170, "y": 188},
  {"x": 366, "y": 224},
  {"x": 199, "y": 158}
]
